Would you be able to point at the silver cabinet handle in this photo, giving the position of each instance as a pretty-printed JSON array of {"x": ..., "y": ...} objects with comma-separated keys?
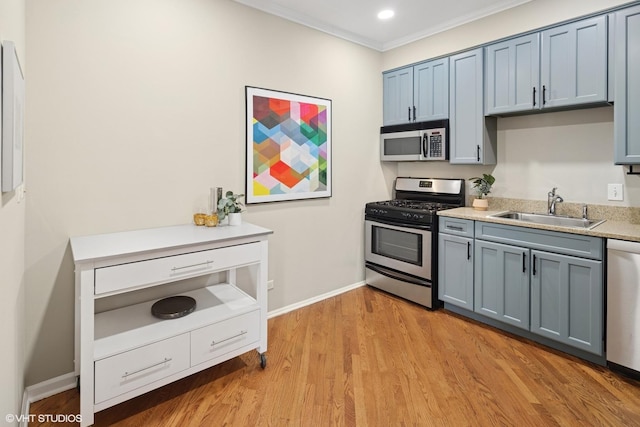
[
  {"x": 128, "y": 374},
  {"x": 452, "y": 227},
  {"x": 214, "y": 342},
  {"x": 192, "y": 265}
]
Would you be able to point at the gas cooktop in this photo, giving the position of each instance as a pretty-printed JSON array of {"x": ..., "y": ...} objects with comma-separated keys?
[{"x": 418, "y": 199}]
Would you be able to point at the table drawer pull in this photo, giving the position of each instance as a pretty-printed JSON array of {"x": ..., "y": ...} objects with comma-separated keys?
[
  {"x": 128, "y": 374},
  {"x": 192, "y": 265},
  {"x": 214, "y": 342}
]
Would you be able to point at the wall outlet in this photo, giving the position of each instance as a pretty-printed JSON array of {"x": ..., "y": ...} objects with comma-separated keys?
[
  {"x": 615, "y": 192},
  {"x": 269, "y": 285}
]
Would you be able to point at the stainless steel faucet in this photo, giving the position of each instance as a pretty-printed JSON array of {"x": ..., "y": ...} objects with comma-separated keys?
[{"x": 552, "y": 199}]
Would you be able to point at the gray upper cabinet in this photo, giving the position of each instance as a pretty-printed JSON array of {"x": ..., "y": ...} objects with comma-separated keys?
[
  {"x": 431, "y": 90},
  {"x": 556, "y": 68},
  {"x": 513, "y": 75},
  {"x": 397, "y": 96},
  {"x": 626, "y": 109},
  {"x": 418, "y": 93},
  {"x": 472, "y": 136},
  {"x": 574, "y": 63}
]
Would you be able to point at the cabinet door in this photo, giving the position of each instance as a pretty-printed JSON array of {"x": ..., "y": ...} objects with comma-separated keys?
[
  {"x": 431, "y": 90},
  {"x": 455, "y": 270},
  {"x": 626, "y": 109},
  {"x": 397, "y": 96},
  {"x": 513, "y": 74},
  {"x": 472, "y": 138},
  {"x": 574, "y": 63},
  {"x": 567, "y": 300},
  {"x": 501, "y": 284}
]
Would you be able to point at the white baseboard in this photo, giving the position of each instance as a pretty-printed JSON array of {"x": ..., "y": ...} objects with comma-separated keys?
[
  {"x": 42, "y": 390},
  {"x": 66, "y": 382},
  {"x": 313, "y": 300}
]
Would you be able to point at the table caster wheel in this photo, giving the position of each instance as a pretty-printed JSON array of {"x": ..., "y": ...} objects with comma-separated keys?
[{"x": 263, "y": 360}]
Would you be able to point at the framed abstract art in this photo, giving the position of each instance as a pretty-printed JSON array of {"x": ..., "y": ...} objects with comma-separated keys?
[{"x": 288, "y": 146}]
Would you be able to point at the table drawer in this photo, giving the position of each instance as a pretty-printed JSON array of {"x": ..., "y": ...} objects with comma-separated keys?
[
  {"x": 222, "y": 337},
  {"x": 160, "y": 270},
  {"x": 127, "y": 371}
]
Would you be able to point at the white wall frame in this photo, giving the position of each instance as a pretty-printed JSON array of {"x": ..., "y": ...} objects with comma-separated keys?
[{"x": 13, "y": 97}]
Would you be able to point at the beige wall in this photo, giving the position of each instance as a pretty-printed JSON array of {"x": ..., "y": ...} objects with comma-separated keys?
[
  {"x": 137, "y": 109},
  {"x": 571, "y": 150},
  {"x": 12, "y": 250}
]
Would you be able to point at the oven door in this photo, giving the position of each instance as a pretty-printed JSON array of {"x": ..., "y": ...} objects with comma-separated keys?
[{"x": 402, "y": 248}]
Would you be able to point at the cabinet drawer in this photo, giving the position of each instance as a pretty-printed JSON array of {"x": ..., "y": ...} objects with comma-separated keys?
[
  {"x": 222, "y": 337},
  {"x": 459, "y": 227},
  {"x": 124, "y": 372},
  {"x": 544, "y": 240},
  {"x": 159, "y": 270}
]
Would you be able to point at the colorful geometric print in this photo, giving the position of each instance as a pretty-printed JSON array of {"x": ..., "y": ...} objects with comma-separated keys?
[{"x": 289, "y": 147}]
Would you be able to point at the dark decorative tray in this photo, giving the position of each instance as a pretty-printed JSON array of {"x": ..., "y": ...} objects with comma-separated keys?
[{"x": 173, "y": 307}]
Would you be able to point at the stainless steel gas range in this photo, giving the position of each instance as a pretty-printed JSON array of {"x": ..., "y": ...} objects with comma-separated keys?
[{"x": 401, "y": 237}]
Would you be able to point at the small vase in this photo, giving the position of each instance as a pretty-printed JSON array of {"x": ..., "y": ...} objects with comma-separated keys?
[
  {"x": 235, "y": 218},
  {"x": 480, "y": 204}
]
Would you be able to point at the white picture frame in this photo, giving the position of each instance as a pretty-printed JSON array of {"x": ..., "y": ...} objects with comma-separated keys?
[
  {"x": 288, "y": 150},
  {"x": 12, "y": 131}
]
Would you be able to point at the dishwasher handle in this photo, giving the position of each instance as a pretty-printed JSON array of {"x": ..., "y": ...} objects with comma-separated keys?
[{"x": 624, "y": 246}]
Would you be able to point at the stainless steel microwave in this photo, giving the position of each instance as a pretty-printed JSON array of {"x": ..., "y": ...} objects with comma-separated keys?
[{"x": 421, "y": 141}]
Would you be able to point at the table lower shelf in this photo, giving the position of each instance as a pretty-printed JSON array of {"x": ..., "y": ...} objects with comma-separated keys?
[{"x": 130, "y": 327}]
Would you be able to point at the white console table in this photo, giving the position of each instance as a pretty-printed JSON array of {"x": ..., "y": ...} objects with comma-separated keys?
[{"x": 121, "y": 350}]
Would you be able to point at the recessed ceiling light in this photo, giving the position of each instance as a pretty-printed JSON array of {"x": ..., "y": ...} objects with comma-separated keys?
[{"x": 386, "y": 14}]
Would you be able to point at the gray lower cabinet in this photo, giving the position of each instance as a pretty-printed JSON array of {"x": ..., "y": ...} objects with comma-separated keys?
[
  {"x": 502, "y": 282},
  {"x": 549, "y": 283},
  {"x": 567, "y": 300},
  {"x": 455, "y": 265},
  {"x": 626, "y": 109}
]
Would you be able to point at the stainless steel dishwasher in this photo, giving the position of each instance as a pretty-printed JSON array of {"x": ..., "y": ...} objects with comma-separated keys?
[{"x": 623, "y": 306}]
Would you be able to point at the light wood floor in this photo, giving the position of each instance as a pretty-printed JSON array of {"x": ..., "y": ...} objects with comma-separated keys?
[{"x": 366, "y": 358}]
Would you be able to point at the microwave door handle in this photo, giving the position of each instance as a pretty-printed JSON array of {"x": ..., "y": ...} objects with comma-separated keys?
[{"x": 425, "y": 145}]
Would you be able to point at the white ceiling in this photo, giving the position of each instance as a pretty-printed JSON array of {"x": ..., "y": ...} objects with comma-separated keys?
[{"x": 356, "y": 20}]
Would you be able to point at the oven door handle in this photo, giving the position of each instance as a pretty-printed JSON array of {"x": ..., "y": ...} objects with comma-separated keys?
[
  {"x": 399, "y": 224},
  {"x": 397, "y": 275}
]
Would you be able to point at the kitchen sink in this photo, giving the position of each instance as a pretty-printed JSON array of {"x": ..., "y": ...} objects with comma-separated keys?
[{"x": 560, "y": 221}]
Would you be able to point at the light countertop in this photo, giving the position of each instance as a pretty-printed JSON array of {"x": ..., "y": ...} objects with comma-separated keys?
[{"x": 610, "y": 229}]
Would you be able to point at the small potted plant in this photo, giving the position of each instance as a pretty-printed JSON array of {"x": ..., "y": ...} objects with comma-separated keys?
[
  {"x": 231, "y": 206},
  {"x": 483, "y": 185}
]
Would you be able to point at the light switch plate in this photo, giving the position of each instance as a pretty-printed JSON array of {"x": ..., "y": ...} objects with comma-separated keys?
[{"x": 615, "y": 192}]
